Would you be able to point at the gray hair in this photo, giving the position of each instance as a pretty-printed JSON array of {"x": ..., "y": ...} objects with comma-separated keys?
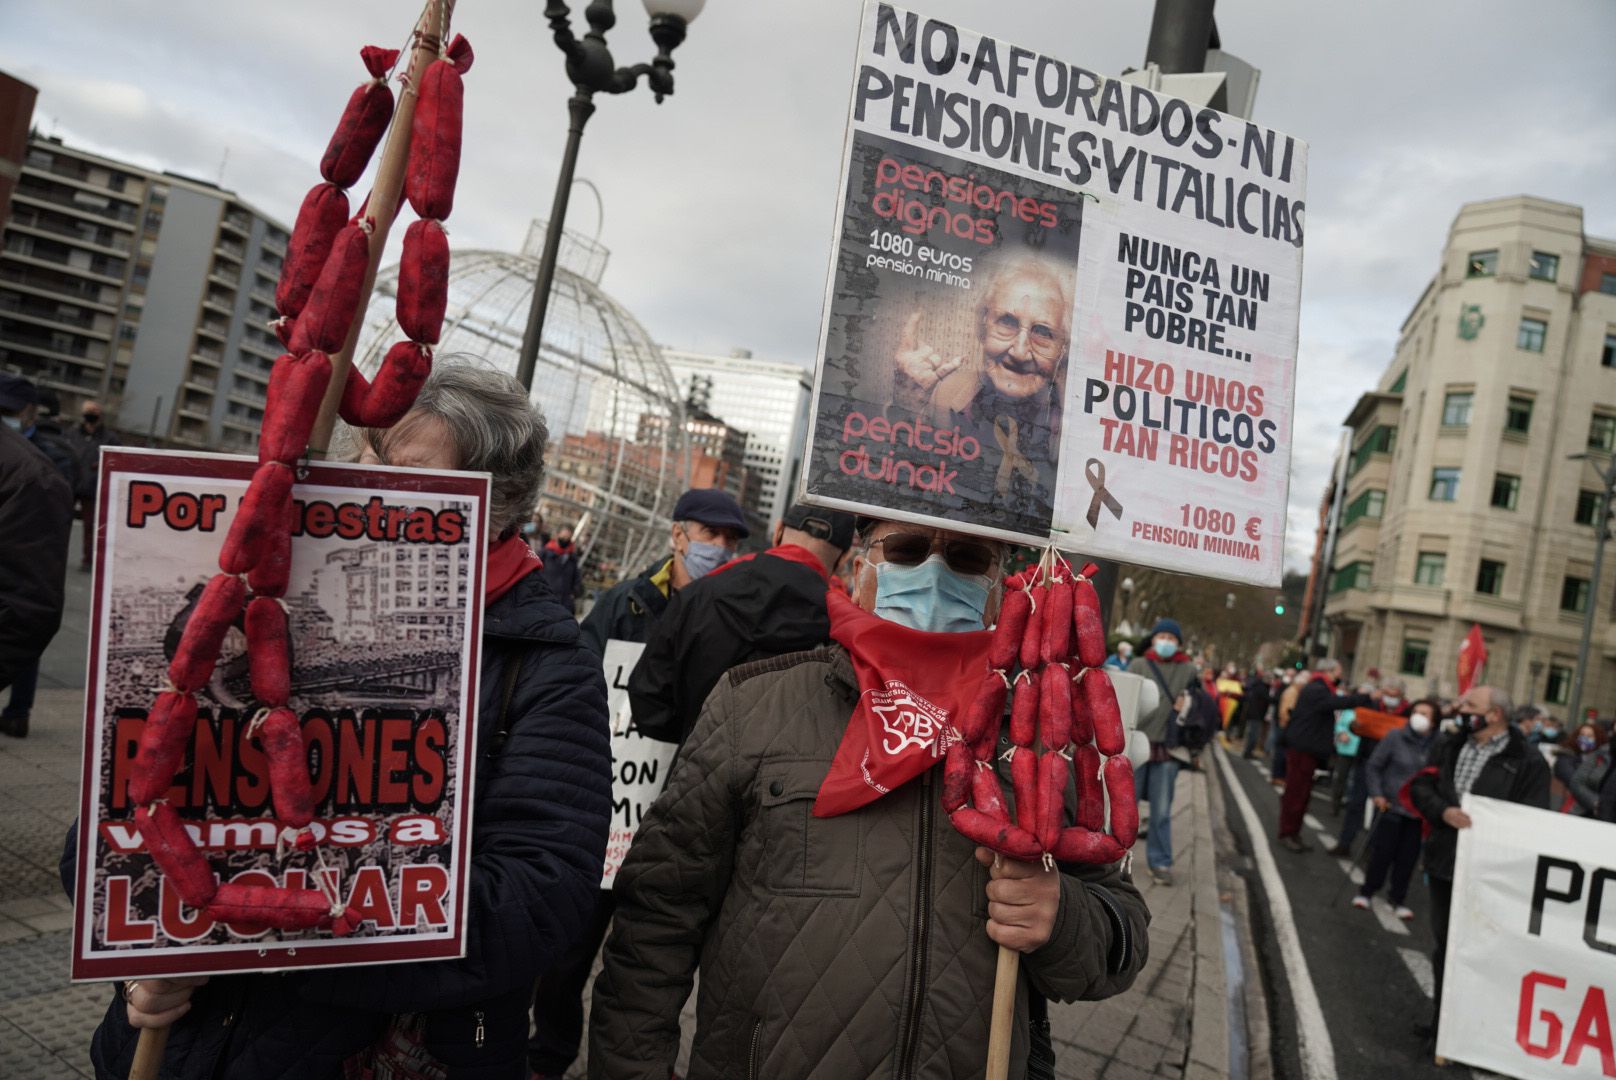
[
  {"x": 495, "y": 427},
  {"x": 1329, "y": 663},
  {"x": 1498, "y": 698}
]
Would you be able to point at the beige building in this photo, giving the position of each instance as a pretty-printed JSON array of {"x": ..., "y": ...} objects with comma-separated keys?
[{"x": 1462, "y": 502}]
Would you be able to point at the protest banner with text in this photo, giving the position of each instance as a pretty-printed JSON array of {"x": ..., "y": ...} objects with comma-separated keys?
[
  {"x": 384, "y": 609},
  {"x": 1061, "y": 308},
  {"x": 639, "y": 765}
]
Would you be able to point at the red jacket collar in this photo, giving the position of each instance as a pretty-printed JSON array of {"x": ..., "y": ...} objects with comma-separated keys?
[{"x": 790, "y": 553}]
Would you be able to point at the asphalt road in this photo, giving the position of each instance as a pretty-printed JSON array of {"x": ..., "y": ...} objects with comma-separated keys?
[{"x": 1369, "y": 973}]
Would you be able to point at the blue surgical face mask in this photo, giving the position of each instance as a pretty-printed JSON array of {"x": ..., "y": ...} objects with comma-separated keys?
[
  {"x": 529, "y": 529},
  {"x": 12, "y": 422},
  {"x": 1586, "y": 743},
  {"x": 702, "y": 559},
  {"x": 1165, "y": 649},
  {"x": 1550, "y": 733},
  {"x": 930, "y": 596}
]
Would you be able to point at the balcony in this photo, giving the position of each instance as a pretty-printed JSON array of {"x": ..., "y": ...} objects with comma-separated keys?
[
  {"x": 56, "y": 284},
  {"x": 207, "y": 356},
  {"x": 202, "y": 380},
  {"x": 29, "y": 251},
  {"x": 39, "y": 193},
  {"x": 84, "y": 233},
  {"x": 237, "y": 222},
  {"x": 214, "y": 328}
]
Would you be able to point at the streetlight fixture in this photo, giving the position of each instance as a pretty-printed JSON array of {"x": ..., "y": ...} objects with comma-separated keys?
[
  {"x": 1601, "y": 528},
  {"x": 592, "y": 70}
]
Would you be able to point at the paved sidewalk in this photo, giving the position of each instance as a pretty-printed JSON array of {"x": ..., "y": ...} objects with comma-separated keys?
[{"x": 1173, "y": 1024}]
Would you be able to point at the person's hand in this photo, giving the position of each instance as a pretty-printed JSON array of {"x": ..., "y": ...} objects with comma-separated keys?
[
  {"x": 1382, "y": 803},
  {"x": 920, "y": 363},
  {"x": 1023, "y": 900},
  {"x": 1456, "y": 818},
  {"x": 157, "y": 1003}
]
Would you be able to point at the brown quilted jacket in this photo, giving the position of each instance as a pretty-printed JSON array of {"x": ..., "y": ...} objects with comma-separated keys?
[{"x": 836, "y": 948}]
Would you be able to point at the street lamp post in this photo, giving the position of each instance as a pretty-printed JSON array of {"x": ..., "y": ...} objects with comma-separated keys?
[
  {"x": 1607, "y": 477},
  {"x": 592, "y": 70}
]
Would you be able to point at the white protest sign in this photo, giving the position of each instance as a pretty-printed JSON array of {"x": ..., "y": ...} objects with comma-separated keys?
[
  {"x": 1531, "y": 971},
  {"x": 1060, "y": 308},
  {"x": 639, "y": 765}
]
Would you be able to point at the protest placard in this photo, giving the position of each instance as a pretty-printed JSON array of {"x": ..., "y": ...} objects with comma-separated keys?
[
  {"x": 384, "y": 611},
  {"x": 1531, "y": 970},
  {"x": 1060, "y": 308},
  {"x": 639, "y": 765}
]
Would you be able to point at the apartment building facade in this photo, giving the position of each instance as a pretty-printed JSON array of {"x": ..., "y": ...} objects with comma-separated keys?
[
  {"x": 1472, "y": 481},
  {"x": 148, "y": 291}
]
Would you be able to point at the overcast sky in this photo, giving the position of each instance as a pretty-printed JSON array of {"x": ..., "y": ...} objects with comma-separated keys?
[{"x": 719, "y": 202}]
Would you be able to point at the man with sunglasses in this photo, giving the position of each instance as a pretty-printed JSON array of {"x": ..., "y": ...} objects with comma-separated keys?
[
  {"x": 858, "y": 939},
  {"x": 1005, "y": 394}
]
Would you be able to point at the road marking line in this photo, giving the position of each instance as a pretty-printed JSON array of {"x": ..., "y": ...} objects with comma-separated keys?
[
  {"x": 1389, "y": 921},
  {"x": 1313, "y": 823},
  {"x": 1419, "y": 966},
  {"x": 1317, "y": 1053},
  {"x": 1353, "y": 872}
]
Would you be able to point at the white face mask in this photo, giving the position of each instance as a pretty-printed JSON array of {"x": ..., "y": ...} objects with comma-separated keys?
[
  {"x": 1419, "y": 723},
  {"x": 12, "y": 422}
]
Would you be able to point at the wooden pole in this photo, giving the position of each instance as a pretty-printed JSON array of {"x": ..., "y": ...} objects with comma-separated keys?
[
  {"x": 431, "y": 30},
  {"x": 149, "y": 1054},
  {"x": 1004, "y": 1014}
]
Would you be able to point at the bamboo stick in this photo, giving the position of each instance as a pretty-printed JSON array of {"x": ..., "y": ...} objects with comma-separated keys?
[{"x": 1004, "y": 1014}]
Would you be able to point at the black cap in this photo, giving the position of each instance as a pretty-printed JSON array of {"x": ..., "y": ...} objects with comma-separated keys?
[
  {"x": 713, "y": 508},
  {"x": 835, "y": 527},
  {"x": 16, "y": 392}
]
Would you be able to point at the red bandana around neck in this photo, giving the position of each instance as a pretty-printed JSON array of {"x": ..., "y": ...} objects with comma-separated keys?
[
  {"x": 509, "y": 561},
  {"x": 911, "y": 685}
]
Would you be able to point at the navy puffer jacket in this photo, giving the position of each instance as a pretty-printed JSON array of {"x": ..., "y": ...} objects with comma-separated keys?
[{"x": 538, "y": 844}]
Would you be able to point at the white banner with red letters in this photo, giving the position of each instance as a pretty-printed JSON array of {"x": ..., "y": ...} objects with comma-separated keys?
[{"x": 1530, "y": 985}]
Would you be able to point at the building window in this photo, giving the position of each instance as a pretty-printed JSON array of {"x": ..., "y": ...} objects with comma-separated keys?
[
  {"x": 1607, "y": 357},
  {"x": 1444, "y": 485},
  {"x": 1416, "y": 651},
  {"x": 1558, "y": 689},
  {"x": 1587, "y": 507},
  {"x": 1490, "y": 577},
  {"x": 1544, "y": 267},
  {"x": 1530, "y": 335},
  {"x": 1380, "y": 441},
  {"x": 1607, "y": 283},
  {"x": 1352, "y": 576},
  {"x": 1518, "y": 417},
  {"x": 1574, "y": 595},
  {"x": 1482, "y": 264},
  {"x": 1456, "y": 409},
  {"x": 1368, "y": 505},
  {"x": 1402, "y": 379},
  {"x": 1430, "y": 567},
  {"x": 1506, "y": 491},
  {"x": 1602, "y": 432}
]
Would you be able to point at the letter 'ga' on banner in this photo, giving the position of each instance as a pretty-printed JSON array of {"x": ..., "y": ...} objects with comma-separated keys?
[
  {"x": 1530, "y": 986},
  {"x": 1060, "y": 307},
  {"x": 639, "y": 765}
]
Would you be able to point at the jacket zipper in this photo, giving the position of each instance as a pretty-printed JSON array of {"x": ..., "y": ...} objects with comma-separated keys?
[
  {"x": 477, "y": 1037},
  {"x": 919, "y": 934},
  {"x": 752, "y": 1051}
]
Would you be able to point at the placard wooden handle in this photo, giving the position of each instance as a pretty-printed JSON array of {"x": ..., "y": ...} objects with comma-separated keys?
[
  {"x": 149, "y": 1053},
  {"x": 1004, "y": 1014}
]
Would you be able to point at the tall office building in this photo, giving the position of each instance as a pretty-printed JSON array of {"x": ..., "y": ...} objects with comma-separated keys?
[
  {"x": 1472, "y": 480},
  {"x": 767, "y": 399},
  {"x": 149, "y": 291}
]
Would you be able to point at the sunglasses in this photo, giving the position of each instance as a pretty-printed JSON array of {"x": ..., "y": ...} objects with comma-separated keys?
[{"x": 967, "y": 557}]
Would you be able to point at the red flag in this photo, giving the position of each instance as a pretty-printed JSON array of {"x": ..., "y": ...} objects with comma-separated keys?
[
  {"x": 911, "y": 686},
  {"x": 1472, "y": 658}
]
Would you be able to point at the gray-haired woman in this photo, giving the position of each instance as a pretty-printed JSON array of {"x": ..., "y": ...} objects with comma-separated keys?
[{"x": 543, "y": 800}]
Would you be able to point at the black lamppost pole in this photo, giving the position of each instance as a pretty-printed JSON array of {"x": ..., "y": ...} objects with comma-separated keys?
[{"x": 592, "y": 70}]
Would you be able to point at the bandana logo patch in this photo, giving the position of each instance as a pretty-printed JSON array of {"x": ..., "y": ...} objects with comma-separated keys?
[{"x": 909, "y": 721}]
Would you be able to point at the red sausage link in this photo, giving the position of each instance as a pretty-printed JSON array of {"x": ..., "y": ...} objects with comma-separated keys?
[
  {"x": 985, "y": 793},
  {"x": 319, "y": 219},
  {"x": 1124, "y": 806},
  {"x": 381, "y": 403},
  {"x": 1090, "y": 792},
  {"x": 429, "y": 182},
  {"x": 267, "y": 905},
  {"x": 274, "y": 570},
  {"x": 1057, "y": 644},
  {"x": 1055, "y": 706},
  {"x": 423, "y": 282},
  {"x": 260, "y": 515},
  {"x": 1101, "y": 699},
  {"x": 1052, "y": 773},
  {"x": 1006, "y": 642},
  {"x": 215, "y": 613},
  {"x": 363, "y": 123},
  {"x": 163, "y": 739},
  {"x": 957, "y": 771},
  {"x": 174, "y": 853},
  {"x": 269, "y": 654},
  {"x": 1032, "y": 635},
  {"x": 987, "y": 708},
  {"x": 296, "y": 387},
  {"x": 1024, "y": 783},
  {"x": 1080, "y": 845},
  {"x": 1082, "y": 722},
  {"x": 1086, "y": 624},
  {"x": 334, "y": 300},
  {"x": 1000, "y": 836},
  {"x": 282, "y": 738},
  {"x": 1024, "y": 710}
]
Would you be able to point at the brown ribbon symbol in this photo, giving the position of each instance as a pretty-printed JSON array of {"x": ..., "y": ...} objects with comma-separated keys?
[
  {"x": 1007, "y": 432},
  {"x": 1094, "y": 473}
]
